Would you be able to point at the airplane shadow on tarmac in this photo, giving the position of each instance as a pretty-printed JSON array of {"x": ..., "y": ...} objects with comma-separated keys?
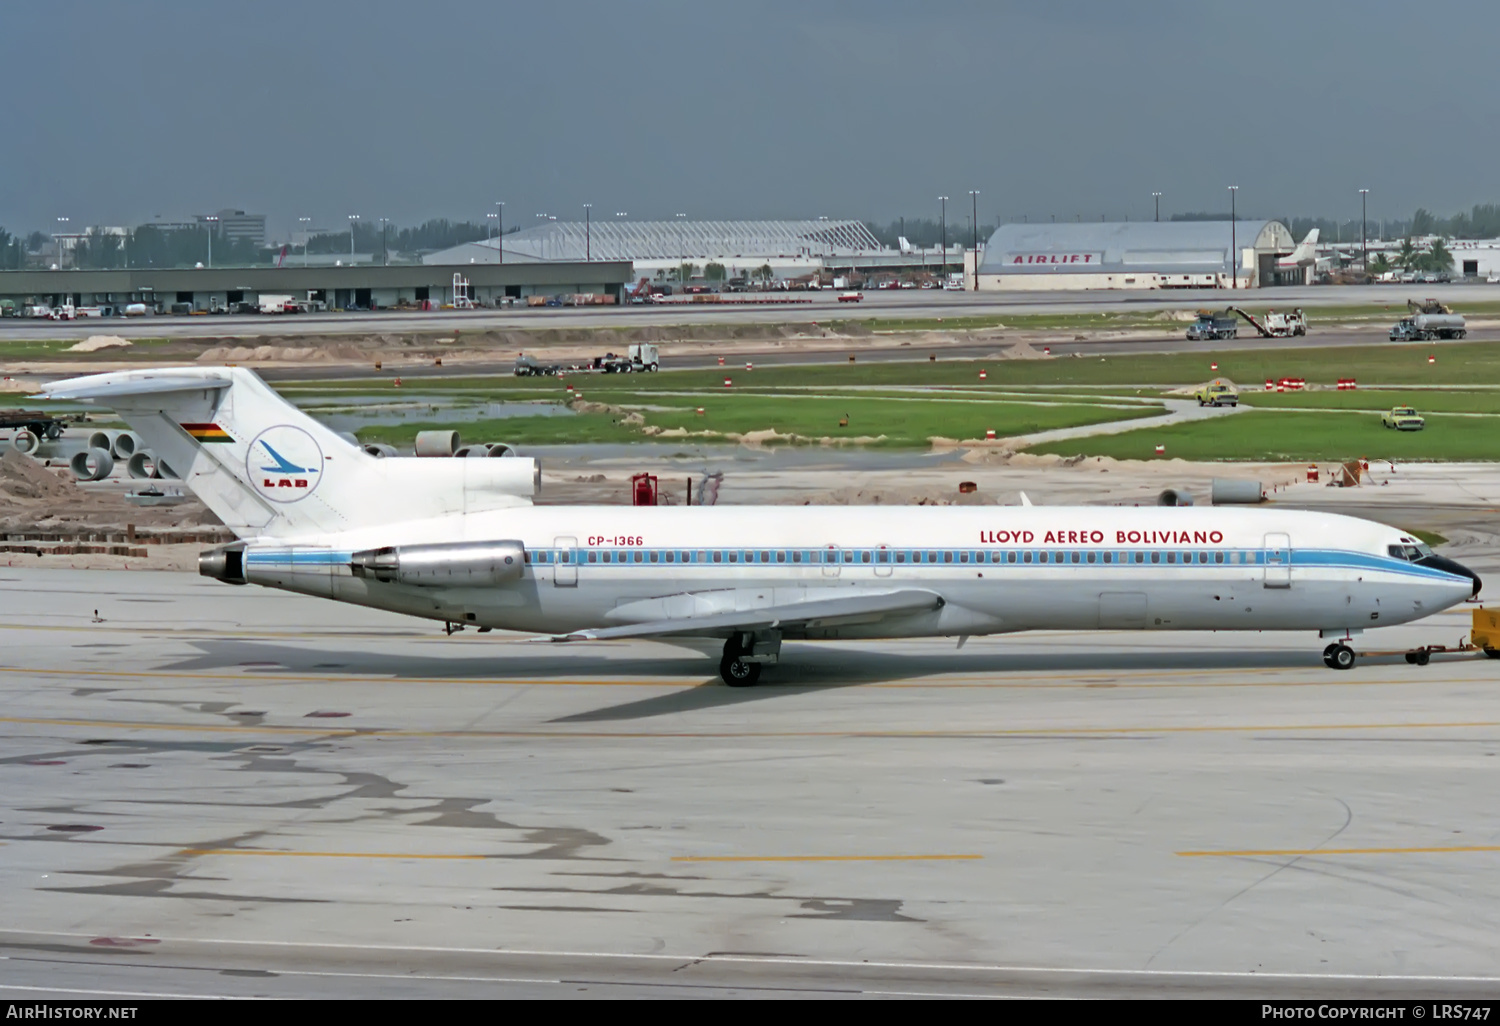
[{"x": 804, "y": 668}]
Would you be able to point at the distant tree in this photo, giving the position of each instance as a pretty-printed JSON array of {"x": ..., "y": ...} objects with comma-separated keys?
[
  {"x": 714, "y": 272},
  {"x": 1438, "y": 257},
  {"x": 1423, "y": 223},
  {"x": 1380, "y": 264},
  {"x": 685, "y": 271},
  {"x": 1409, "y": 257},
  {"x": 764, "y": 272}
]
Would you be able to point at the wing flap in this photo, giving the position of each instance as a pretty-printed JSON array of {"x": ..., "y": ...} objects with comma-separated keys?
[{"x": 812, "y": 612}]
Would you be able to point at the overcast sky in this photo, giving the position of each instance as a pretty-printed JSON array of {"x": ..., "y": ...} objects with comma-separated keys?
[{"x": 120, "y": 112}]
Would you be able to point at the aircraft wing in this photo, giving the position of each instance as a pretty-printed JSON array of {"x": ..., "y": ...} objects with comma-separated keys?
[{"x": 812, "y": 612}]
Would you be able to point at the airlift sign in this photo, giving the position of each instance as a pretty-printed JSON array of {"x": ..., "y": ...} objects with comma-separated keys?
[
  {"x": 1085, "y": 259},
  {"x": 284, "y": 463}
]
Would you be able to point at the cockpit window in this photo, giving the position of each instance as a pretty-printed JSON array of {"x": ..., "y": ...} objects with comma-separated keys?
[{"x": 1410, "y": 553}]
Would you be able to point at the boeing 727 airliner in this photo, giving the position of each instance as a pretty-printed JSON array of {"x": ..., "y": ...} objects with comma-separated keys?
[{"x": 459, "y": 541}]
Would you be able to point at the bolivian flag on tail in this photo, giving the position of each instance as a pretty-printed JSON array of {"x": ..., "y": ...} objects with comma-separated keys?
[{"x": 207, "y": 432}]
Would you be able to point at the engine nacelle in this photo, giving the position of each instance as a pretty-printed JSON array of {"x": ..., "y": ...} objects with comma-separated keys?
[
  {"x": 226, "y": 563},
  {"x": 448, "y": 564}
]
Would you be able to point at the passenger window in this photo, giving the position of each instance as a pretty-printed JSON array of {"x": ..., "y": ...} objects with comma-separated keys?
[
  {"x": 947, "y": 557},
  {"x": 734, "y": 556},
  {"x": 963, "y": 557},
  {"x": 1010, "y": 557},
  {"x": 932, "y": 557},
  {"x": 1091, "y": 557},
  {"x": 1218, "y": 557},
  {"x": 655, "y": 556},
  {"x": 1026, "y": 556},
  {"x": 882, "y": 556},
  {"x": 671, "y": 557},
  {"x": 1171, "y": 557},
  {"x": 864, "y": 556},
  {"x": 796, "y": 557},
  {"x": 636, "y": 555},
  {"x": 1073, "y": 557},
  {"x": 765, "y": 557},
  {"x": 1156, "y": 557},
  {"x": 1109, "y": 557},
  {"x": 718, "y": 556},
  {"x": 1203, "y": 557},
  {"x": 1041, "y": 557},
  {"x": 901, "y": 556},
  {"x": 780, "y": 557}
]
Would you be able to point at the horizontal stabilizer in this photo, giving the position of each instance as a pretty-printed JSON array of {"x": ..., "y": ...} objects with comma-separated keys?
[{"x": 811, "y": 612}]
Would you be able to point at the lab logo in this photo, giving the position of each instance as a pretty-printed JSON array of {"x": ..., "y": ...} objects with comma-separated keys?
[{"x": 284, "y": 463}]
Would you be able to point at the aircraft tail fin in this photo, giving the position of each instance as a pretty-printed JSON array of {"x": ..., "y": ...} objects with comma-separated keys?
[{"x": 268, "y": 469}]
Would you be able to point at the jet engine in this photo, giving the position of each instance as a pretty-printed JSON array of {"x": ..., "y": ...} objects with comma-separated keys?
[{"x": 448, "y": 564}]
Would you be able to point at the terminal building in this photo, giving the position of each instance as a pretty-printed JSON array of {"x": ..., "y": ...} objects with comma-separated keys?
[
  {"x": 1139, "y": 255},
  {"x": 208, "y": 289}
]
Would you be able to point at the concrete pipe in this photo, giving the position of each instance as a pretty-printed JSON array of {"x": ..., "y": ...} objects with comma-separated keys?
[
  {"x": 24, "y": 442},
  {"x": 126, "y": 444},
  {"x": 1228, "y": 490},
  {"x": 502, "y": 449},
  {"x": 92, "y": 464},
  {"x": 164, "y": 469},
  {"x": 470, "y": 451},
  {"x": 437, "y": 443},
  {"x": 103, "y": 440},
  {"x": 1174, "y": 497},
  {"x": 379, "y": 450},
  {"x": 142, "y": 464}
]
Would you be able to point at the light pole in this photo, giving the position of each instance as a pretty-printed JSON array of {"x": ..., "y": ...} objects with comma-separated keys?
[
  {"x": 943, "y": 266},
  {"x": 1156, "y": 197},
  {"x": 974, "y": 197},
  {"x": 1234, "y": 255},
  {"x": 588, "y": 252},
  {"x": 1364, "y": 242},
  {"x": 500, "y": 231},
  {"x": 493, "y": 218},
  {"x": 352, "y": 219},
  {"x": 208, "y": 222},
  {"x": 62, "y": 223},
  {"x": 306, "y": 234},
  {"x": 385, "y": 253}
]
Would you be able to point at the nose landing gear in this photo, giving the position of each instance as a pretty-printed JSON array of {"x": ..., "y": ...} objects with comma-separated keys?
[
  {"x": 1338, "y": 656},
  {"x": 745, "y": 653}
]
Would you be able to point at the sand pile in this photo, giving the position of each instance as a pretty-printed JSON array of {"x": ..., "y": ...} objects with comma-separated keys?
[
  {"x": 36, "y": 498},
  {"x": 94, "y": 343}
]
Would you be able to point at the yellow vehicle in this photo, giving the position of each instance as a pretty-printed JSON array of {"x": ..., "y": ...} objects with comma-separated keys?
[
  {"x": 1403, "y": 418},
  {"x": 1218, "y": 392}
]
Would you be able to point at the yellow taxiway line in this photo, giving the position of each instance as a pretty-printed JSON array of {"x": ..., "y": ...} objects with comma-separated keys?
[
  {"x": 326, "y": 854},
  {"x": 1276, "y": 852},
  {"x": 823, "y": 858}
]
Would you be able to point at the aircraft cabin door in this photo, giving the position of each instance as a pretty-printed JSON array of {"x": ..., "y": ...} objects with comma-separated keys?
[
  {"x": 1278, "y": 561},
  {"x": 883, "y": 557},
  {"x": 832, "y": 556},
  {"x": 565, "y": 570}
]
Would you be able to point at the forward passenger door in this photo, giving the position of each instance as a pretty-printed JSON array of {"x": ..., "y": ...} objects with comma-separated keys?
[{"x": 1278, "y": 561}]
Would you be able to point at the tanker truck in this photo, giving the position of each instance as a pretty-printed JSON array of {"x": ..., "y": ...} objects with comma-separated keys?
[{"x": 1429, "y": 320}]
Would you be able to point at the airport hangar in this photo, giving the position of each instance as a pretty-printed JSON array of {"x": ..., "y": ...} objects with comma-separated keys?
[
  {"x": 209, "y": 288},
  {"x": 790, "y": 248},
  {"x": 1137, "y": 255}
]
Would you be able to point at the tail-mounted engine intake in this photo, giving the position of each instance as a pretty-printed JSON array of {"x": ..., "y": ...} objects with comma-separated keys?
[
  {"x": 451, "y": 564},
  {"x": 225, "y": 564}
]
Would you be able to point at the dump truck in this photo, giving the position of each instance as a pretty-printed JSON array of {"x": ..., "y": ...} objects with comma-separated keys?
[
  {"x": 1212, "y": 324},
  {"x": 1403, "y": 418},
  {"x": 1429, "y": 320},
  {"x": 1218, "y": 392}
]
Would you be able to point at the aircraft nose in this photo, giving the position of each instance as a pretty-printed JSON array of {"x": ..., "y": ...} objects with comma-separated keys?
[{"x": 1449, "y": 566}]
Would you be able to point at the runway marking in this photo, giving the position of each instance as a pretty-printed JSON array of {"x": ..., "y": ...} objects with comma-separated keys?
[
  {"x": 563, "y": 735},
  {"x": 1435, "y": 850},
  {"x": 1061, "y": 679},
  {"x": 822, "y": 858},
  {"x": 326, "y": 854},
  {"x": 127, "y": 993},
  {"x": 967, "y": 967}
]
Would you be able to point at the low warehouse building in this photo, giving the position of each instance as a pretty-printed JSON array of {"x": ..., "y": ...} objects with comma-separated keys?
[{"x": 1138, "y": 255}]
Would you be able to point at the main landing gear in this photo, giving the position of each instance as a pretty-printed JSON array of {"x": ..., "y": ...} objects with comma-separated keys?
[
  {"x": 1338, "y": 656},
  {"x": 734, "y": 668}
]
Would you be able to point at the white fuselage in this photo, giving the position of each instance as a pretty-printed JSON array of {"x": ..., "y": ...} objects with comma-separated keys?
[{"x": 997, "y": 569}]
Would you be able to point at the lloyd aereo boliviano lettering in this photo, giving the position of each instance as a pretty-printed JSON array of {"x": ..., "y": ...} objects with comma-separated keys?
[{"x": 1096, "y": 537}]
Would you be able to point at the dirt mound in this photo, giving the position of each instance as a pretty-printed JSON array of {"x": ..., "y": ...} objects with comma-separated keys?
[
  {"x": 96, "y": 342},
  {"x": 23, "y": 477},
  {"x": 1024, "y": 351}
]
